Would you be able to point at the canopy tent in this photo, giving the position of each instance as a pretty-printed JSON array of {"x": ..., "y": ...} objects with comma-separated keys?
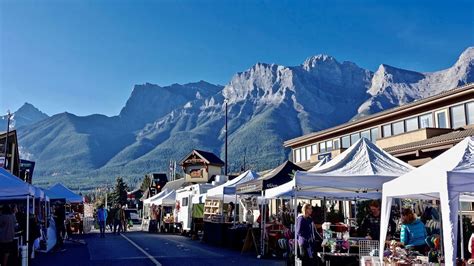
[
  {"x": 157, "y": 196},
  {"x": 358, "y": 172},
  {"x": 11, "y": 187},
  {"x": 171, "y": 185},
  {"x": 445, "y": 177},
  {"x": 229, "y": 187},
  {"x": 166, "y": 200},
  {"x": 59, "y": 191},
  {"x": 320, "y": 163},
  {"x": 39, "y": 193},
  {"x": 278, "y": 176}
]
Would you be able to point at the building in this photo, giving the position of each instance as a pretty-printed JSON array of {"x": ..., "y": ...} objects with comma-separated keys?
[
  {"x": 11, "y": 161},
  {"x": 200, "y": 166},
  {"x": 415, "y": 132}
]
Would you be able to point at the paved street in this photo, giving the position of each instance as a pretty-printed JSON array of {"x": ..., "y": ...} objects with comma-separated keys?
[{"x": 140, "y": 248}]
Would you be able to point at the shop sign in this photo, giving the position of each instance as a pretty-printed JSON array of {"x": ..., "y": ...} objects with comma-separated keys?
[{"x": 321, "y": 156}]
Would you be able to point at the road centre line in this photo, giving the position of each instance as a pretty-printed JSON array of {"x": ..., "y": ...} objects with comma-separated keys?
[{"x": 142, "y": 250}]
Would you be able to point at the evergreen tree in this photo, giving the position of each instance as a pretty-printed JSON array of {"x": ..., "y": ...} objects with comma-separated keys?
[
  {"x": 145, "y": 183},
  {"x": 119, "y": 195}
]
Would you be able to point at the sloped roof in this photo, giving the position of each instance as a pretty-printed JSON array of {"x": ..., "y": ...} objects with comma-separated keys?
[{"x": 209, "y": 157}]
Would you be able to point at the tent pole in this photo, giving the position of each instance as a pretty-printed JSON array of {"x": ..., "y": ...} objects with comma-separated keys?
[
  {"x": 324, "y": 209},
  {"x": 461, "y": 228},
  {"x": 235, "y": 208},
  {"x": 27, "y": 228},
  {"x": 355, "y": 209},
  {"x": 262, "y": 222},
  {"x": 295, "y": 210}
]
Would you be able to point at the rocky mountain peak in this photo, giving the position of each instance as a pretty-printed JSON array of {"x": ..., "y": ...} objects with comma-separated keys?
[{"x": 318, "y": 61}]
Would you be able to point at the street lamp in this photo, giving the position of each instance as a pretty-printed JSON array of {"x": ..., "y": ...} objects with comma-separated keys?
[
  {"x": 225, "y": 101},
  {"x": 9, "y": 115}
]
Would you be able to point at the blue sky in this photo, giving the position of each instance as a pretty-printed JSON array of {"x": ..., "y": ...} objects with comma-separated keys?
[{"x": 85, "y": 56}]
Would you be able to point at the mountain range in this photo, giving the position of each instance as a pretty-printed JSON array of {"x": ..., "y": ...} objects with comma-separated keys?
[{"x": 267, "y": 104}]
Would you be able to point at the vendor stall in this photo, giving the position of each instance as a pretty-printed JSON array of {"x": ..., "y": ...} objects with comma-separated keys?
[
  {"x": 147, "y": 203},
  {"x": 446, "y": 178},
  {"x": 13, "y": 189},
  {"x": 278, "y": 176},
  {"x": 357, "y": 173},
  {"x": 73, "y": 204}
]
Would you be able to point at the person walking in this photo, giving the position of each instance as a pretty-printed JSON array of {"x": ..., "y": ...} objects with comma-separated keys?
[
  {"x": 7, "y": 234},
  {"x": 101, "y": 218},
  {"x": 117, "y": 221},
  {"x": 123, "y": 219},
  {"x": 119, "y": 218},
  {"x": 110, "y": 218}
]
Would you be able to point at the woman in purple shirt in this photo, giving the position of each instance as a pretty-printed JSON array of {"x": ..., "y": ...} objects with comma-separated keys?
[{"x": 304, "y": 233}]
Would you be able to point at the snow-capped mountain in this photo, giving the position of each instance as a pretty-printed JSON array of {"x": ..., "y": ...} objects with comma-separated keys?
[
  {"x": 27, "y": 114},
  {"x": 267, "y": 104}
]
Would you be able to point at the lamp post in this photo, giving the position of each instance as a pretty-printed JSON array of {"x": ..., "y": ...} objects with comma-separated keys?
[
  {"x": 225, "y": 101},
  {"x": 9, "y": 115}
]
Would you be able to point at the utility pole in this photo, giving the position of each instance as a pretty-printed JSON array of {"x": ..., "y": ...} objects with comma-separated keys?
[
  {"x": 225, "y": 136},
  {"x": 9, "y": 115}
]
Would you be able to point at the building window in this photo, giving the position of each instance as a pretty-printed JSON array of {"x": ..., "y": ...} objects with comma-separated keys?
[
  {"x": 398, "y": 128},
  {"x": 387, "y": 131},
  {"x": 441, "y": 120},
  {"x": 411, "y": 124},
  {"x": 365, "y": 134},
  {"x": 322, "y": 147},
  {"x": 329, "y": 145},
  {"x": 314, "y": 149},
  {"x": 303, "y": 155},
  {"x": 470, "y": 113},
  {"x": 308, "y": 152},
  {"x": 354, "y": 138},
  {"x": 297, "y": 156},
  {"x": 374, "y": 134},
  {"x": 458, "y": 117},
  {"x": 426, "y": 121},
  {"x": 336, "y": 144},
  {"x": 346, "y": 142}
]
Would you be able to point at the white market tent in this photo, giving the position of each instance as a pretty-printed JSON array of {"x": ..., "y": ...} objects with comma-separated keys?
[
  {"x": 59, "y": 191},
  {"x": 445, "y": 177},
  {"x": 166, "y": 200},
  {"x": 358, "y": 172},
  {"x": 320, "y": 163},
  {"x": 157, "y": 196},
  {"x": 229, "y": 187}
]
